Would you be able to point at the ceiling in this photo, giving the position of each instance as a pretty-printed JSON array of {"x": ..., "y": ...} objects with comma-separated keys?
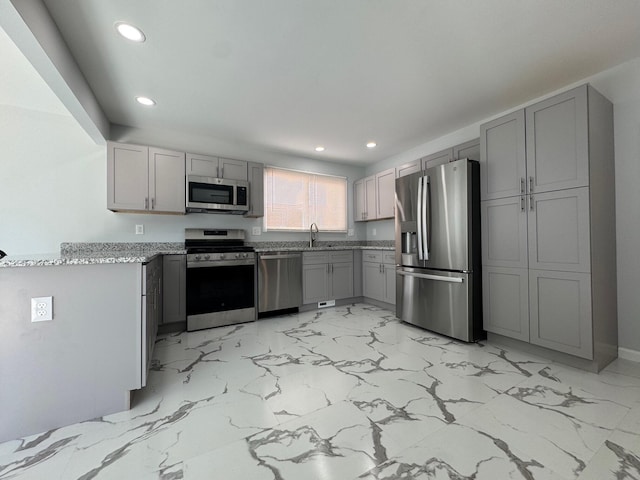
[{"x": 288, "y": 75}]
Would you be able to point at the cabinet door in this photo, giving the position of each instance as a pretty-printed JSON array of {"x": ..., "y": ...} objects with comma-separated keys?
[
  {"x": 203, "y": 165},
  {"x": 256, "y": 190},
  {"x": 166, "y": 181},
  {"x": 502, "y": 157},
  {"x": 561, "y": 312},
  {"x": 370, "y": 195},
  {"x": 505, "y": 301},
  {"x": 174, "y": 291},
  {"x": 359, "y": 196},
  {"x": 389, "y": 272},
  {"x": 386, "y": 193},
  {"x": 558, "y": 142},
  {"x": 233, "y": 169},
  {"x": 315, "y": 283},
  {"x": 559, "y": 236},
  {"x": 341, "y": 280},
  {"x": 372, "y": 281},
  {"x": 127, "y": 177},
  {"x": 504, "y": 232},
  {"x": 438, "y": 158},
  {"x": 470, "y": 149},
  {"x": 408, "y": 168}
]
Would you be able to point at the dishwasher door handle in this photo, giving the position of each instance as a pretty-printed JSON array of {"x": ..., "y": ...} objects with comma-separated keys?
[{"x": 279, "y": 256}]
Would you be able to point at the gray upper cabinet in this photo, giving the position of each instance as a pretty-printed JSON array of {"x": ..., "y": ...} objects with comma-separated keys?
[
  {"x": 166, "y": 181},
  {"x": 558, "y": 142},
  {"x": 128, "y": 175},
  {"x": 504, "y": 232},
  {"x": 174, "y": 291},
  {"x": 209, "y": 166},
  {"x": 438, "y": 158},
  {"x": 233, "y": 169},
  {"x": 408, "y": 168},
  {"x": 256, "y": 190},
  {"x": 470, "y": 149},
  {"x": 202, "y": 165},
  {"x": 385, "y": 197},
  {"x": 145, "y": 179},
  {"x": 559, "y": 231},
  {"x": 560, "y": 312},
  {"x": 502, "y": 157},
  {"x": 364, "y": 191},
  {"x": 505, "y": 300}
]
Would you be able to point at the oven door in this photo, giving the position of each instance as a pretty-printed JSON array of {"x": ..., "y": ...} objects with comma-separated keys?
[{"x": 220, "y": 293}]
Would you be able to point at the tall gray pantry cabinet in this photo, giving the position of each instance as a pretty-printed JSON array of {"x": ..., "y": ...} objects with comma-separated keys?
[{"x": 548, "y": 227}]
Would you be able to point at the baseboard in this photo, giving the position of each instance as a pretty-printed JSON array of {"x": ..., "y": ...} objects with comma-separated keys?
[{"x": 628, "y": 354}]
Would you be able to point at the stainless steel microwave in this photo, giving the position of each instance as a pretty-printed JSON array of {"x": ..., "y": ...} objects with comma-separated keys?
[{"x": 216, "y": 195}]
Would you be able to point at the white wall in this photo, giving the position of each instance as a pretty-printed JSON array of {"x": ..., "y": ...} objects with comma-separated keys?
[
  {"x": 621, "y": 86},
  {"x": 53, "y": 186}
]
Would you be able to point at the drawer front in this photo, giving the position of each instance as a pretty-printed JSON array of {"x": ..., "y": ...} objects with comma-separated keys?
[
  {"x": 389, "y": 258},
  {"x": 372, "y": 256},
  {"x": 341, "y": 256},
  {"x": 314, "y": 258}
]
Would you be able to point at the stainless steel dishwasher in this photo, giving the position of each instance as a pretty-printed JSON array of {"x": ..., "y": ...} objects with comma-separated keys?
[{"x": 279, "y": 281}]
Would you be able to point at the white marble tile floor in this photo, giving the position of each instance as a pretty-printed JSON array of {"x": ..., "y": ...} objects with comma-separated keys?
[{"x": 349, "y": 393}]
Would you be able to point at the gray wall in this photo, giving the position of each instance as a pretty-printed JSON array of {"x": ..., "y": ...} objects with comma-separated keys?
[{"x": 81, "y": 364}]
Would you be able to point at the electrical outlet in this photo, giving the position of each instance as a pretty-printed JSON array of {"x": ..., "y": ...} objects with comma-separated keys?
[
  {"x": 139, "y": 229},
  {"x": 256, "y": 231},
  {"x": 351, "y": 232},
  {"x": 41, "y": 309}
]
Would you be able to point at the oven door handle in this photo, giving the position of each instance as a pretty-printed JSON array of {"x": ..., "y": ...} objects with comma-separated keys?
[{"x": 221, "y": 263}]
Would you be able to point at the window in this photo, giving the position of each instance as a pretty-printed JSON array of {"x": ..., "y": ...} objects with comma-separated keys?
[{"x": 295, "y": 200}]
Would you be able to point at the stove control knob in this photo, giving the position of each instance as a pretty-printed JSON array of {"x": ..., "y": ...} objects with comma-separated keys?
[
  {"x": 207, "y": 257},
  {"x": 222, "y": 256},
  {"x": 238, "y": 255},
  {"x": 197, "y": 258}
]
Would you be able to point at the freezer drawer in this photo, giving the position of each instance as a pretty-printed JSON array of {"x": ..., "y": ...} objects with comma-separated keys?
[{"x": 443, "y": 302}]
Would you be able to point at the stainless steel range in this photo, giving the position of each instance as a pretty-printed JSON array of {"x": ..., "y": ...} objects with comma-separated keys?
[{"x": 221, "y": 273}]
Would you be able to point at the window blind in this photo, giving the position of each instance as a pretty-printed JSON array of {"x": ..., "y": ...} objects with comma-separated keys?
[{"x": 295, "y": 200}]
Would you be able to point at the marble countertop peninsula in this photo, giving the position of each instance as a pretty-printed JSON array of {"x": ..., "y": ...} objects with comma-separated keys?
[{"x": 93, "y": 253}]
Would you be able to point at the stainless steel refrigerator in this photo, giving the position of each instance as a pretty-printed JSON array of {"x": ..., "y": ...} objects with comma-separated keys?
[{"x": 438, "y": 255}]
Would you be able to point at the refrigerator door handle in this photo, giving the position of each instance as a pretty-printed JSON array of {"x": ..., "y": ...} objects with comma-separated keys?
[
  {"x": 439, "y": 278},
  {"x": 426, "y": 214},
  {"x": 420, "y": 208}
]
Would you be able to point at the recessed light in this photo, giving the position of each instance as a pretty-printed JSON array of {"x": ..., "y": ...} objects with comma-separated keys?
[
  {"x": 146, "y": 101},
  {"x": 371, "y": 144},
  {"x": 319, "y": 148},
  {"x": 130, "y": 32}
]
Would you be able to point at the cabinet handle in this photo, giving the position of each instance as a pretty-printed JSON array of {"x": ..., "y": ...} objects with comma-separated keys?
[
  {"x": 531, "y": 184},
  {"x": 522, "y": 185},
  {"x": 531, "y": 202},
  {"x": 153, "y": 203},
  {"x": 522, "y": 207},
  {"x": 221, "y": 172},
  {"x": 146, "y": 203}
]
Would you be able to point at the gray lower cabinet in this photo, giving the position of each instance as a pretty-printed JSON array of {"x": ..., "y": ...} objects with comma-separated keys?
[
  {"x": 379, "y": 275},
  {"x": 560, "y": 306},
  {"x": 327, "y": 275},
  {"x": 548, "y": 226},
  {"x": 505, "y": 293},
  {"x": 174, "y": 288},
  {"x": 151, "y": 311},
  {"x": 145, "y": 179}
]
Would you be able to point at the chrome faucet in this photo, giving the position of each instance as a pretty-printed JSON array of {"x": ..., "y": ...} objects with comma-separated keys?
[{"x": 312, "y": 237}]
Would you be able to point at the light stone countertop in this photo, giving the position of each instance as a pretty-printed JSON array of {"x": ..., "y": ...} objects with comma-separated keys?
[{"x": 109, "y": 253}]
